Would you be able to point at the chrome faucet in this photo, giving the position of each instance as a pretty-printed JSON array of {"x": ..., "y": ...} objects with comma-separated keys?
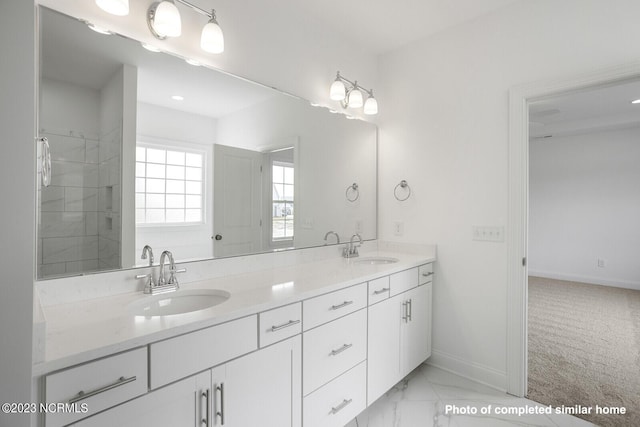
[
  {"x": 351, "y": 250},
  {"x": 164, "y": 284},
  {"x": 329, "y": 233},
  {"x": 147, "y": 250}
]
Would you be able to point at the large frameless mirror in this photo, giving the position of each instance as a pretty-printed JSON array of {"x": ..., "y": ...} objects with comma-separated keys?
[{"x": 147, "y": 149}]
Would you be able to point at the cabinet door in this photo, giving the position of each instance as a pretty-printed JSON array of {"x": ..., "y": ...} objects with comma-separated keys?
[
  {"x": 260, "y": 389},
  {"x": 415, "y": 341},
  {"x": 180, "y": 404},
  {"x": 383, "y": 362}
]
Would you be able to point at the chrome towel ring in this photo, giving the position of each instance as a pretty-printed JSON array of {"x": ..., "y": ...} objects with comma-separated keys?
[
  {"x": 352, "y": 193},
  {"x": 403, "y": 185}
]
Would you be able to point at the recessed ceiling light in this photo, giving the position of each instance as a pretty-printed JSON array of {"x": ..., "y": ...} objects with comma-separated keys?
[
  {"x": 177, "y": 98},
  {"x": 150, "y": 48},
  {"x": 192, "y": 62},
  {"x": 636, "y": 101},
  {"x": 99, "y": 29}
]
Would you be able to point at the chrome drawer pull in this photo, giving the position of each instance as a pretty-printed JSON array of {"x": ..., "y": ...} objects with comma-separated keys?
[
  {"x": 381, "y": 291},
  {"x": 82, "y": 395},
  {"x": 410, "y": 310},
  {"x": 427, "y": 274},
  {"x": 344, "y": 304},
  {"x": 341, "y": 349},
  {"x": 340, "y": 407},
  {"x": 220, "y": 413},
  {"x": 206, "y": 394},
  {"x": 284, "y": 325}
]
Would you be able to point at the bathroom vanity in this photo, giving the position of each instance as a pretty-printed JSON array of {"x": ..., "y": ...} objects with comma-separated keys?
[{"x": 306, "y": 345}]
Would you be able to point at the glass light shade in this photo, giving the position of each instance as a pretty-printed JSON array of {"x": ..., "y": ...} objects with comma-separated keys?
[
  {"x": 371, "y": 106},
  {"x": 212, "y": 39},
  {"x": 114, "y": 7},
  {"x": 338, "y": 91},
  {"x": 166, "y": 21},
  {"x": 355, "y": 99}
]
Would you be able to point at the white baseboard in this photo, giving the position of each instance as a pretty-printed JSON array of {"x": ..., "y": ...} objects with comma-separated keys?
[
  {"x": 585, "y": 279},
  {"x": 470, "y": 370}
]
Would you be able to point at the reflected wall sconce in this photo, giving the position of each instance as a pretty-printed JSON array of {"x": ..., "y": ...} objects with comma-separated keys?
[
  {"x": 350, "y": 95},
  {"x": 163, "y": 19}
]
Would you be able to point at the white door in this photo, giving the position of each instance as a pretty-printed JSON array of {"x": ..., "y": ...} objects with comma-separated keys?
[
  {"x": 261, "y": 389},
  {"x": 180, "y": 404},
  {"x": 383, "y": 363},
  {"x": 237, "y": 193},
  {"x": 416, "y": 332}
]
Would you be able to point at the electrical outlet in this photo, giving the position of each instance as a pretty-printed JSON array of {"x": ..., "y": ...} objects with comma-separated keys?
[
  {"x": 488, "y": 234},
  {"x": 601, "y": 263},
  {"x": 398, "y": 228},
  {"x": 307, "y": 223}
]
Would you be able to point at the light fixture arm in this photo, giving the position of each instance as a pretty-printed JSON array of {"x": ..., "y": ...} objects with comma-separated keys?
[{"x": 210, "y": 15}]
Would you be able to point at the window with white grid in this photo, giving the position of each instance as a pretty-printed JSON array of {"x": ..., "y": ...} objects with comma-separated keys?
[{"x": 169, "y": 185}]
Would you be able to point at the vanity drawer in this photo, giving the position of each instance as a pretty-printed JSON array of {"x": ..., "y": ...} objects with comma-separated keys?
[
  {"x": 332, "y": 349},
  {"x": 338, "y": 402},
  {"x": 280, "y": 323},
  {"x": 331, "y": 306},
  {"x": 425, "y": 273},
  {"x": 378, "y": 290},
  {"x": 182, "y": 356},
  {"x": 97, "y": 385},
  {"x": 403, "y": 281}
]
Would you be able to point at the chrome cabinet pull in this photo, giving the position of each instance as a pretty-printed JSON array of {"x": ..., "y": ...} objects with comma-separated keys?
[
  {"x": 380, "y": 291},
  {"x": 339, "y": 306},
  {"x": 220, "y": 413},
  {"x": 340, "y": 407},
  {"x": 405, "y": 314},
  {"x": 284, "y": 325},
  {"x": 82, "y": 395},
  {"x": 341, "y": 349},
  {"x": 409, "y": 309},
  {"x": 427, "y": 274},
  {"x": 206, "y": 395}
]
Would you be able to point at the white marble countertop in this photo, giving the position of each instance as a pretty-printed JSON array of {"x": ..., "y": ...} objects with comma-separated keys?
[{"x": 81, "y": 331}]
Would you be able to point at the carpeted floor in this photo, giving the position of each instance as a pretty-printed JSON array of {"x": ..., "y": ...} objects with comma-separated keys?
[{"x": 584, "y": 348}]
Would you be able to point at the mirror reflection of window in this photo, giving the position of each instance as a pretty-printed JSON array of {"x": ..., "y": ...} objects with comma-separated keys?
[
  {"x": 169, "y": 185},
  {"x": 282, "y": 200}
]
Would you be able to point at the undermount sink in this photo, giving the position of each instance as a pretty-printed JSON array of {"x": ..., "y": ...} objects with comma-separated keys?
[
  {"x": 178, "y": 302},
  {"x": 376, "y": 260}
]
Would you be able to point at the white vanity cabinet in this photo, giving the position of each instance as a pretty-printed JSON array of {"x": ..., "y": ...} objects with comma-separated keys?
[
  {"x": 259, "y": 389},
  {"x": 399, "y": 334},
  {"x": 183, "y": 403}
]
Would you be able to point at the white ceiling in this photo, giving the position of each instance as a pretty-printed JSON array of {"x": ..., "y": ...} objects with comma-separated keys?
[
  {"x": 383, "y": 25},
  {"x": 595, "y": 109}
]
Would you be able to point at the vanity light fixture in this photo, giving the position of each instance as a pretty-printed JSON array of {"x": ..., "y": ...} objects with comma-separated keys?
[
  {"x": 192, "y": 62},
  {"x": 163, "y": 19},
  {"x": 636, "y": 101},
  {"x": 114, "y": 7},
  {"x": 350, "y": 95}
]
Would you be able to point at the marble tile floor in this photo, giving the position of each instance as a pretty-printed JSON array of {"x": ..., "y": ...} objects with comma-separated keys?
[{"x": 420, "y": 401}]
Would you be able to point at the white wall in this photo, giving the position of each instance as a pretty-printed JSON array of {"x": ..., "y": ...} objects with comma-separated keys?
[
  {"x": 584, "y": 205},
  {"x": 444, "y": 128},
  {"x": 17, "y": 178}
]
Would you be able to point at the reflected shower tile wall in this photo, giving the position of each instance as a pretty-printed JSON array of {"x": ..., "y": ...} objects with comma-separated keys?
[
  {"x": 108, "y": 218},
  {"x": 66, "y": 249},
  {"x": 69, "y": 207}
]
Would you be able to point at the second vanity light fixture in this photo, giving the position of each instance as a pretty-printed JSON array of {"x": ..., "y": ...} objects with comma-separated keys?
[
  {"x": 164, "y": 21},
  {"x": 350, "y": 95}
]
